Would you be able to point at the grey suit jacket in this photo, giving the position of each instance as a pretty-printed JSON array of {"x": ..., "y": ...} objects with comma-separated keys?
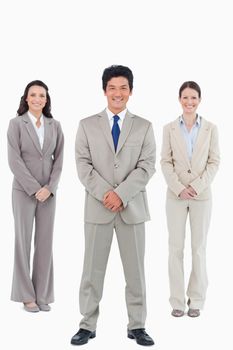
[
  {"x": 32, "y": 166},
  {"x": 126, "y": 172},
  {"x": 179, "y": 171}
]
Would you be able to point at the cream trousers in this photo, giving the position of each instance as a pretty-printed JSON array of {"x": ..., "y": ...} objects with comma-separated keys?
[{"x": 199, "y": 212}]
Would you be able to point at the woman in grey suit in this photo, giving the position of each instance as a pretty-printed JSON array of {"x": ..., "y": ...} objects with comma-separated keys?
[
  {"x": 35, "y": 154},
  {"x": 190, "y": 160}
]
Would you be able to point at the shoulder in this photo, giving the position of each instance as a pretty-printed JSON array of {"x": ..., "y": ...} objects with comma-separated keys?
[
  {"x": 17, "y": 121},
  {"x": 207, "y": 124},
  {"x": 90, "y": 119},
  {"x": 55, "y": 124},
  {"x": 91, "y": 123},
  {"x": 139, "y": 121},
  {"x": 171, "y": 125},
  {"x": 52, "y": 121}
]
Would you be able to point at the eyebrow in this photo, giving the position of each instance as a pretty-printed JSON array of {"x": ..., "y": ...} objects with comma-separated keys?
[
  {"x": 41, "y": 93},
  {"x": 111, "y": 85},
  {"x": 189, "y": 96}
]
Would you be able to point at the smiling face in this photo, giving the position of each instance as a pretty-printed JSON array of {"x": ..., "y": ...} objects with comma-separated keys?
[
  {"x": 117, "y": 93},
  {"x": 36, "y": 99},
  {"x": 189, "y": 101}
]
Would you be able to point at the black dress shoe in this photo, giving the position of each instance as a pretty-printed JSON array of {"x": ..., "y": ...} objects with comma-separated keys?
[
  {"x": 141, "y": 337},
  {"x": 82, "y": 337}
]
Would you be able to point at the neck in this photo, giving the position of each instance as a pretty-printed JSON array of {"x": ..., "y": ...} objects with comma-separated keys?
[
  {"x": 189, "y": 119},
  {"x": 116, "y": 111},
  {"x": 36, "y": 114}
]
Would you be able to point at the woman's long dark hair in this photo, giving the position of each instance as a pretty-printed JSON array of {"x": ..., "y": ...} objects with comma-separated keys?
[{"x": 23, "y": 106}]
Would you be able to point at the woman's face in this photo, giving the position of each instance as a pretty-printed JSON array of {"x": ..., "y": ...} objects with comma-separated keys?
[
  {"x": 36, "y": 99},
  {"x": 189, "y": 100}
]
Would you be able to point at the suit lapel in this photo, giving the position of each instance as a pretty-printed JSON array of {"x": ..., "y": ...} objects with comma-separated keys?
[
  {"x": 201, "y": 137},
  {"x": 105, "y": 126},
  {"x": 48, "y": 130},
  {"x": 32, "y": 132},
  {"x": 125, "y": 130},
  {"x": 180, "y": 140}
]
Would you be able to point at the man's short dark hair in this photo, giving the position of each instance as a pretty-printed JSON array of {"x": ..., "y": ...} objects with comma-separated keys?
[{"x": 117, "y": 71}]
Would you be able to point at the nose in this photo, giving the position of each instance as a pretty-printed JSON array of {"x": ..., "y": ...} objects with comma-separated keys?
[
  {"x": 36, "y": 98},
  {"x": 117, "y": 92}
]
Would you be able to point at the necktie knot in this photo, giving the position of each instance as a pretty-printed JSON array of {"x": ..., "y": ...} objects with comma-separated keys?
[{"x": 116, "y": 118}]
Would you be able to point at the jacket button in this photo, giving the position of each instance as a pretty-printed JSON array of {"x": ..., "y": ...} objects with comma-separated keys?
[
  {"x": 115, "y": 186},
  {"x": 189, "y": 171},
  {"x": 116, "y": 166}
]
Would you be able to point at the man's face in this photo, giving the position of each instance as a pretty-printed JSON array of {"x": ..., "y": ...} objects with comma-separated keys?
[{"x": 117, "y": 93}]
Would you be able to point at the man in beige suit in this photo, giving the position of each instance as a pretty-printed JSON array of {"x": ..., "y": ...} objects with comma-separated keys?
[
  {"x": 190, "y": 159},
  {"x": 115, "y": 156}
]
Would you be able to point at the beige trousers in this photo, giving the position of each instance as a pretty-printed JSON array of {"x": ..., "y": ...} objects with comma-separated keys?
[
  {"x": 27, "y": 213},
  {"x": 199, "y": 216},
  {"x": 131, "y": 242}
]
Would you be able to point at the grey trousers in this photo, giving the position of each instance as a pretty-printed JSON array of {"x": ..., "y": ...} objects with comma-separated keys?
[
  {"x": 27, "y": 212},
  {"x": 199, "y": 216},
  {"x": 131, "y": 242}
]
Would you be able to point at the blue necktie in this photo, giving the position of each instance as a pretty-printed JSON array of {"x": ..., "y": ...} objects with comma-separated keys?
[{"x": 115, "y": 131}]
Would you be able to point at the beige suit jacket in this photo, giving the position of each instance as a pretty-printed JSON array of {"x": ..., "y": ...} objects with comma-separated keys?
[
  {"x": 32, "y": 166},
  {"x": 179, "y": 171},
  {"x": 126, "y": 172}
]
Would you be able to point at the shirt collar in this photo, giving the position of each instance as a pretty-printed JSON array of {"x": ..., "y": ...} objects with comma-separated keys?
[
  {"x": 198, "y": 120},
  {"x": 121, "y": 115},
  {"x": 33, "y": 118}
]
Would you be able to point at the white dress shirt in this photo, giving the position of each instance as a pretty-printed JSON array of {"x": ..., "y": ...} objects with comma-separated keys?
[
  {"x": 40, "y": 130},
  {"x": 121, "y": 115}
]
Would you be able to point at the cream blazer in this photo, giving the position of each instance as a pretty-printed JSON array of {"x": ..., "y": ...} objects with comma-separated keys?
[{"x": 199, "y": 172}]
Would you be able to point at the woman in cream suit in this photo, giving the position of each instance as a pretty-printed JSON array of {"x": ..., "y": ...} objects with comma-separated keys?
[
  {"x": 35, "y": 153},
  {"x": 190, "y": 160}
]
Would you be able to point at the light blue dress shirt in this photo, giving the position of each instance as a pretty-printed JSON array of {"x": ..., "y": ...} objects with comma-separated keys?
[{"x": 190, "y": 136}]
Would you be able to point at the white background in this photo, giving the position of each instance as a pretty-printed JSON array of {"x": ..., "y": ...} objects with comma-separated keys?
[{"x": 67, "y": 44}]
